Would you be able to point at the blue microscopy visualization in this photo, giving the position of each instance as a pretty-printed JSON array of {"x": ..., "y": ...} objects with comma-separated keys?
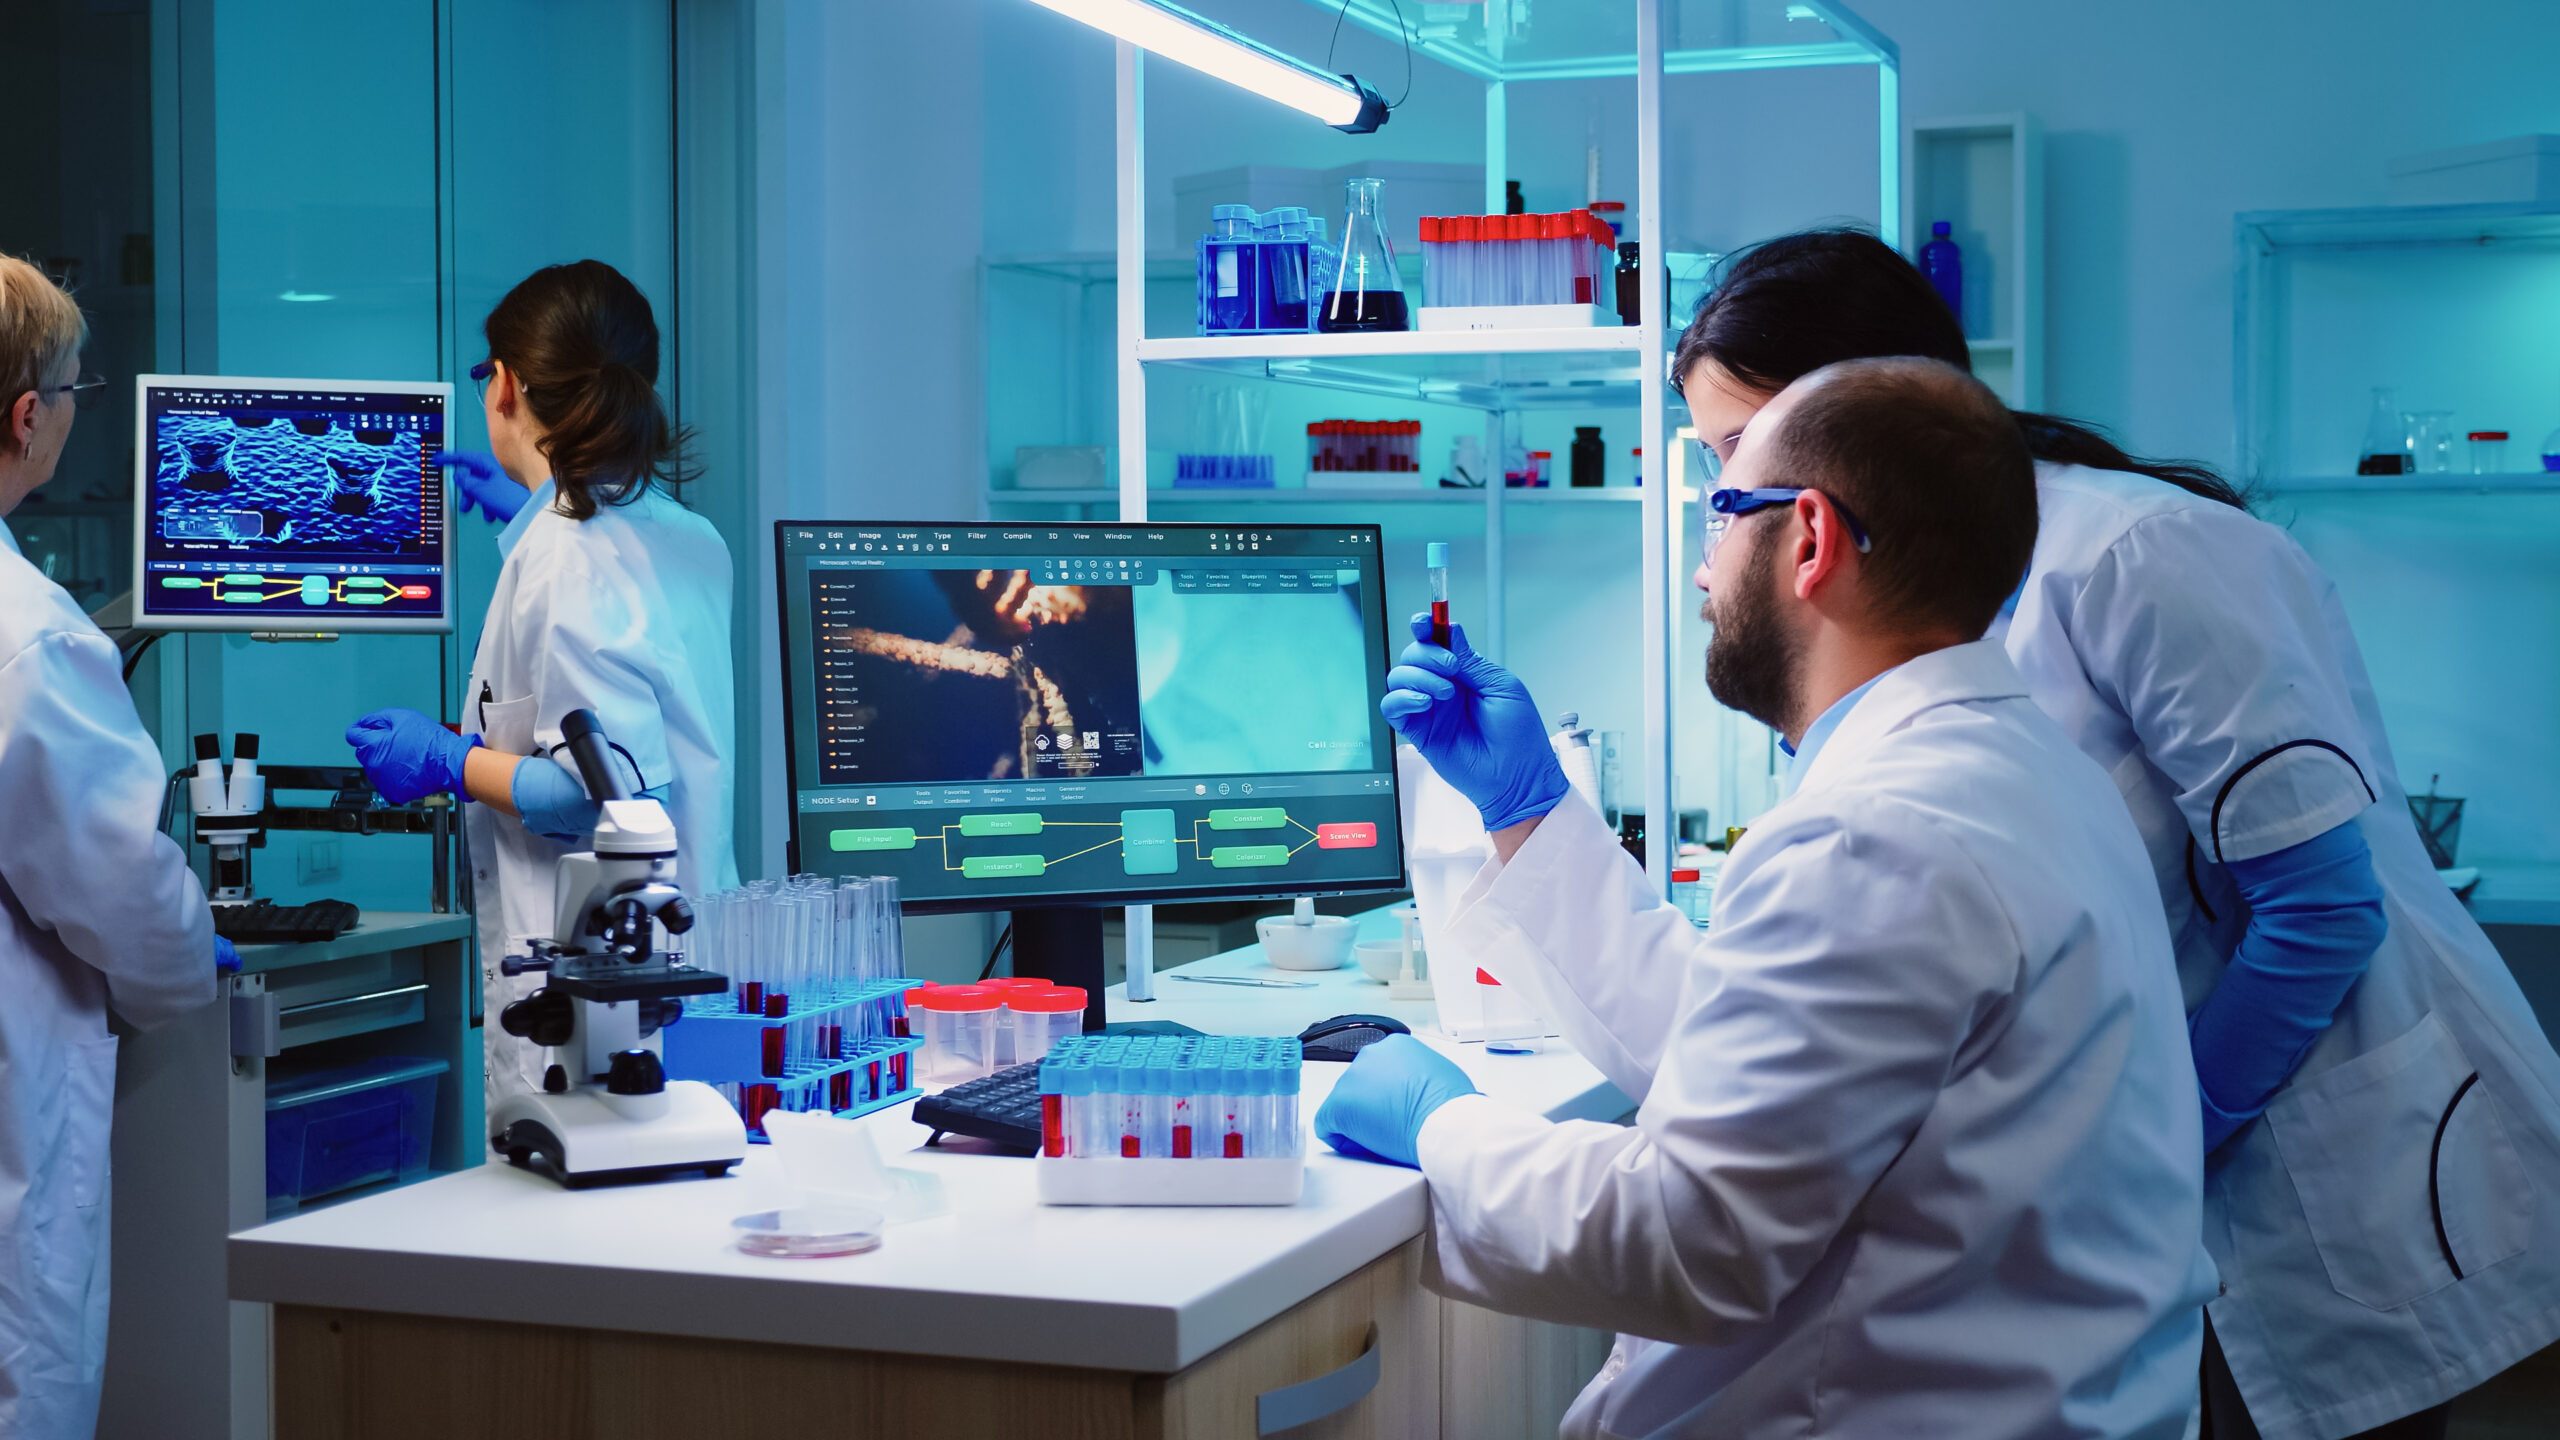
[{"x": 287, "y": 485}]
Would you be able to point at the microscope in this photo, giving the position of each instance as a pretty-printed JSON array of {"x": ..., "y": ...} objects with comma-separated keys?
[{"x": 607, "y": 1112}]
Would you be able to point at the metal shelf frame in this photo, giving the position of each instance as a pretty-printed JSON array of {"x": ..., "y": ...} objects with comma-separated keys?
[{"x": 1501, "y": 372}]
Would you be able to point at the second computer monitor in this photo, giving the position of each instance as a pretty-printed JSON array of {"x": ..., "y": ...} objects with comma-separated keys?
[{"x": 1028, "y": 716}]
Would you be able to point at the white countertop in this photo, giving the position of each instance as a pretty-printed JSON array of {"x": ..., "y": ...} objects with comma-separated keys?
[{"x": 1000, "y": 1278}]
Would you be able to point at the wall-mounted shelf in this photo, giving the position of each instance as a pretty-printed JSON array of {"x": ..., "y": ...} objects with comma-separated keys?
[
  {"x": 1984, "y": 176},
  {"x": 1480, "y": 369},
  {"x": 2443, "y": 303},
  {"x": 1302, "y": 495},
  {"x": 2534, "y": 482}
]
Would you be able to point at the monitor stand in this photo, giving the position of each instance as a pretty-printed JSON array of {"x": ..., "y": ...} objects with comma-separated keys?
[{"x": 1062, "y": 944}]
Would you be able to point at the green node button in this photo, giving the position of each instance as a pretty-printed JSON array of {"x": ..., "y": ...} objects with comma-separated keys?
[
  {"x": 1146, "y": 843},
  {"x": 1024, "y": 823},
  {"x": 842, "y": 841},
  {"x": 1247, "y": 857},
  {"x": 1270, "y": 817},
  {"x": 1003, "y": 867}
]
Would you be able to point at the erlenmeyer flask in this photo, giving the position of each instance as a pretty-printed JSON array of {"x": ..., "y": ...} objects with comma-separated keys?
[
  {"x": 2386, "y": 438},
  {"x": 1366, "y": 291}
]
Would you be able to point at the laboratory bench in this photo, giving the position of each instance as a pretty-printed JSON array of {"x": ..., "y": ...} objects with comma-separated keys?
[{"x": 494, "y": 1303}]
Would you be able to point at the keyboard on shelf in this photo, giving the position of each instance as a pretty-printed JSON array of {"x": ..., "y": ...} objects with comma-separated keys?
[
  {"x": 264, "y": 922},
  {"x": 1003, "y": 1108}
]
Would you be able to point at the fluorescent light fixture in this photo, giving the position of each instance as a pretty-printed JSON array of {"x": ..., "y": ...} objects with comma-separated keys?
[
  {"x": 1212, "y": 49},
  {"x": 305, "y": 297}
]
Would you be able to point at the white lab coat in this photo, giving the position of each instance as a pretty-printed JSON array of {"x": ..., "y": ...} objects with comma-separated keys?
[
  {"x": 1916, "y": 1150},
  {"x": 2201, "y": 658},
  {"x": 626, "y": 614},
  {"x": 97, "y": 909}
]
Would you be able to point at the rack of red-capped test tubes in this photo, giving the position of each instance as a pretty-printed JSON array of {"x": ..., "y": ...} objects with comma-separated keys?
[
  {"x": 1365, "y": 446},
  {"x": 1483, "y": 260},
  {"x": 816, "y": 1015}
]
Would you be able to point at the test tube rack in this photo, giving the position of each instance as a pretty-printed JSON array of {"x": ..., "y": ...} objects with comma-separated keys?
[
  {"x": 1171, "y": 1120},
  {"x": 719, "y": 1044}
]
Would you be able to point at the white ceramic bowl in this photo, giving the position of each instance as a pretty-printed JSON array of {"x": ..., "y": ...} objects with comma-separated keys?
[
  {"x": 1325, "y": 945},
  {"x": 1384, "y": 959}
]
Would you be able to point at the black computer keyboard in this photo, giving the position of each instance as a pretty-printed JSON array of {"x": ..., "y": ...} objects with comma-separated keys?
[
  {"x": 264, "y": 922},
  {"x": 1003, "y": 1108}
]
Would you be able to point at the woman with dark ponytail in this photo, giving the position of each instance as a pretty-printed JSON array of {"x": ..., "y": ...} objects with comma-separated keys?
[
  {"x": 613, "y": 598},
  {"x": 2347, "y": 1015}
]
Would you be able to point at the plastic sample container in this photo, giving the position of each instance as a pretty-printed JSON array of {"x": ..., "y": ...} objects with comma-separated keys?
[
  {"x": 959, "y": 1027},
  {"x": 336, "y": 1129},
  {"x": 1171, "y": 1120},
  {"x": 1684, "y": 892},
  {"x": 1036, "y": 1018},
  {"x": 2488, "y": 452}
]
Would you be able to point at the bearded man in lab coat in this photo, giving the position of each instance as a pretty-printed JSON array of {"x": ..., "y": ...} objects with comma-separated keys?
[
  {"x": 1917, "y": 1148},
  {"x": 97, "y": 907}
]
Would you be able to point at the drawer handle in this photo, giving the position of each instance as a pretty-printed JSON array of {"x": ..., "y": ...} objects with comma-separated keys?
[
  {"x": 296, "y": 1012},
  {"x": 1308, "y": 1401}
]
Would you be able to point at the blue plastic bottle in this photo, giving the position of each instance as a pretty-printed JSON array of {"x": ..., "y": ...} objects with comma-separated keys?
[{"x": 1943, "y": 263}]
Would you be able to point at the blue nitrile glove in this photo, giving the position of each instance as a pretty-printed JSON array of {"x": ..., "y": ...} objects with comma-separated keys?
[
  {"x": 484, "y": 483},
  {"x": 226, "y": 957},
  {"x": 1475, "y": 723},
  {"x": 2315, "y": 918},
  {"x": 1376, "y": 1113},
  {"x": 408, "y": 756}
]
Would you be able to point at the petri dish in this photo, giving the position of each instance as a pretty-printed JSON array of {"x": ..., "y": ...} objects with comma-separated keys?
[{"x": 809, "y": 1232}]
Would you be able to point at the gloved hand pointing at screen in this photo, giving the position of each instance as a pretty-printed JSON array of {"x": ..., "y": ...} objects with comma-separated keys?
[
  {"x": 484, "y": 484},
  {"x": 1475, "y": 723}
]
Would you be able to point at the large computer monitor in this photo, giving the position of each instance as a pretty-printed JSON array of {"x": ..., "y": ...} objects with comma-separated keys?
[
  {"x": 1029, "y": 717},
  {"x": 291, "y": 505}
]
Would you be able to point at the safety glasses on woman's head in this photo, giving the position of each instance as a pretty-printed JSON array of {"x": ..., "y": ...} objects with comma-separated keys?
[
  {"x": 1724, "y": 506},
  {"x": 481, "y": 373}
]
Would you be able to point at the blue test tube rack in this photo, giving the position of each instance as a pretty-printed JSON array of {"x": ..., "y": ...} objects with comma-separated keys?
[{"x": 718, "y": 1045}]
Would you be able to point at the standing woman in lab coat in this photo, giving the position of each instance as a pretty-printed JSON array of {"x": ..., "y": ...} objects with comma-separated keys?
[
  {"x": 613, "y": 598},
  {"x": 2381, "y": 1109},
  {"x": 98, "y": 909}
]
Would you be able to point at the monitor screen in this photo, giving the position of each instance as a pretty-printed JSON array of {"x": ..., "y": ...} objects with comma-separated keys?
[
  {"x": 291, "y": 505},
  {"x": 1006, "y": 715}
]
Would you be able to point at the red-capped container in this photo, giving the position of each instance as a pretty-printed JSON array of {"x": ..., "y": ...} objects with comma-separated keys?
[
  {"x": 959, "y": 1025},
  {"x": 1041, "y": 1018}
]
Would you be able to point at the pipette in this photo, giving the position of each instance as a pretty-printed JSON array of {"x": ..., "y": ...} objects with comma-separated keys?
[{"x": 1435, "y": 555}]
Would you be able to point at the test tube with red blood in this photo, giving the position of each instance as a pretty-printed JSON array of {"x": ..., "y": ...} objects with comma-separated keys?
[{"x": 1436, "y": 557}]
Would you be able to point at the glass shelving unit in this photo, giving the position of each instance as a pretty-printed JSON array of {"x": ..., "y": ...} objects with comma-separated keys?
[{"x": 1496, "y": 374}]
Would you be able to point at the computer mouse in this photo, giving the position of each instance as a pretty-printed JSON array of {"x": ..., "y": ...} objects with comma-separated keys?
[{"x": 1344, "y": 1036}]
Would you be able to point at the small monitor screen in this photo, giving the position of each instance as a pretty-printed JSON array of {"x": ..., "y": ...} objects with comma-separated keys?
[
  {"x": 291, "y": 505},
  {"x": 1089, "y": 714}
]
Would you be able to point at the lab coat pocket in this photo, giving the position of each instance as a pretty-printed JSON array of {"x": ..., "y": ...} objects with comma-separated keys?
[
  {"x": 506, "y": 726},
  {"x": 2404, "y": 1167},
  {"x": 88, "y": 1101}
]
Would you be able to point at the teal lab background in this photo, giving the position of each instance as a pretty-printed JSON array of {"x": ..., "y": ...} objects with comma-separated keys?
[{"x": 822, "y": 200}]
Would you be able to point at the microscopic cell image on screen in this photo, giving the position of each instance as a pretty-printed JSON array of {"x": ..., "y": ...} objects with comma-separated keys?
[
  {"x": 276, "y": 505},
  {"x": 265, "y": 483},
  {"x": 973, "y": 674},
  {"x": 1273, "y": 683}
]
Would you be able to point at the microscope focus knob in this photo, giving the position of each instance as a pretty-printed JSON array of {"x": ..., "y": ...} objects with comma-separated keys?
[
  {"x": 676, "y": 915},
  {"x": 545, "y": 1018},
  {"x": 635, "y": 1072}
]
